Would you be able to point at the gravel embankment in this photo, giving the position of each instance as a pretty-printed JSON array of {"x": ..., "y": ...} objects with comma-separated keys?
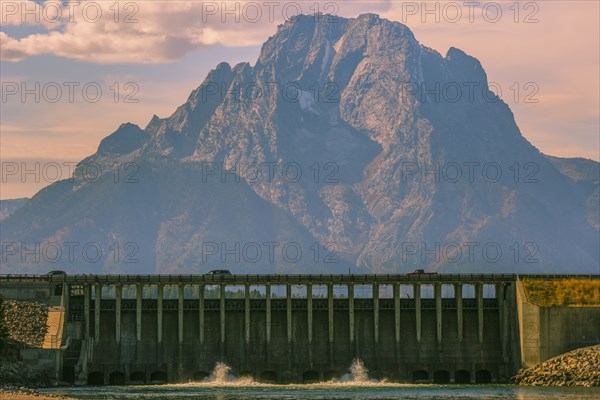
[
  {"x": 22, "y": 393},
  {"x": 579, "y": 367},
  {"x": 26, "y": 321}
]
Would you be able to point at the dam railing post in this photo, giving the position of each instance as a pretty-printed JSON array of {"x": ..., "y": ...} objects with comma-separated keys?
[
  {"x": 139, "y": 291},
  {"x": 459, "y": 310},
  {"x": 479, "y": 295},
  {"x": 201, "y": 313},
  {"x": 417, "y": 295},
  {"x": 118, "y": 297},
  {"x": 438, "y": 312},
  {"x": 98, "y": 289}
]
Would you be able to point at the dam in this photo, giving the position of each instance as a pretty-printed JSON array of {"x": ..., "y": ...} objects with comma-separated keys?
[{"x": 423, "y": 328}]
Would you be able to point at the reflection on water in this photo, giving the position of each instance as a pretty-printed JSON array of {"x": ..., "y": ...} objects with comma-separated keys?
[{"x": 355, "y": 385}]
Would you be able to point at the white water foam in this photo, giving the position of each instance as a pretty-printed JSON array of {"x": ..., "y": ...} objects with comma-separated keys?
[
  {"x": 221, "y": 376},
  {"x": 357, "y": 374}
]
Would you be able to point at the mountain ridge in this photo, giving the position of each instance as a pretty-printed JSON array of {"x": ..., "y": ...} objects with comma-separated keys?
[{"x": 351, "y": 104}]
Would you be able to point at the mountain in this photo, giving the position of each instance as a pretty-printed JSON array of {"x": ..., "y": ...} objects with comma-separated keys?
[
  {"x": 586, "y": 174},
  {"x": 8, "y": 207},
  {"x": 347, "y": 146}
]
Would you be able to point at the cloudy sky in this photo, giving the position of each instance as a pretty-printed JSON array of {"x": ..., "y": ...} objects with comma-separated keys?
[{"x": 146, "y": 56}]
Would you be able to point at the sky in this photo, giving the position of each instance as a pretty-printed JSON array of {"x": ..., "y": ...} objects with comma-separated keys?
[{"x": 72, "y": 72}]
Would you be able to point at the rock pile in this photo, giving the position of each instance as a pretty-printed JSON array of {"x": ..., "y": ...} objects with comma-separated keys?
[
  {"x": 26, "y": 321},
  {"x": 579, "y": 367}
]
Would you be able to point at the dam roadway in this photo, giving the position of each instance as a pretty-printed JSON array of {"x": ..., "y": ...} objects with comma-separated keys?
[{"x": 444, "y": 328}]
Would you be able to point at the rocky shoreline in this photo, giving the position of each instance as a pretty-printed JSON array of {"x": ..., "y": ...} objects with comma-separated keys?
[{"x": 579, "y": 367}]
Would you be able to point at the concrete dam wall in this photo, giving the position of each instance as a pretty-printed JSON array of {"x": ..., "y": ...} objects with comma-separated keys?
[
  {"x": 547, "y": 332},
  {"x": 293, "y": 329}
]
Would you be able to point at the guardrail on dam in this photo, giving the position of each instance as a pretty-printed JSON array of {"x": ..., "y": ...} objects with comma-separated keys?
[{"x": 286, "y": 328}]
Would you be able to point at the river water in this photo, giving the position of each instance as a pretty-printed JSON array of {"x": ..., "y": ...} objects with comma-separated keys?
[
  {"x": 355, "y": 385},
  {"x": 328, "y": 392}
]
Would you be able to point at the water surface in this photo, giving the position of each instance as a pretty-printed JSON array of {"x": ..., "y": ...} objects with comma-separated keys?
[{"x": 326, "y": 391}]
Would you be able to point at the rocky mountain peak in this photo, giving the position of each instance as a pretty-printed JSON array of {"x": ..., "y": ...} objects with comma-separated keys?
[
  {"x": 127, "y": 138},
  {"x": 395, "y": 145}
]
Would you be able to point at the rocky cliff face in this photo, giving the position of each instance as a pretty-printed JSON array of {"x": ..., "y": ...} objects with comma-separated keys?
[
  {"x": 8, "y": 207},
  {"x": 347, "y": 140}
]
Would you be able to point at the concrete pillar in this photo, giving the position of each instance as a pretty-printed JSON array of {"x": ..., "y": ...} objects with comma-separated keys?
[
  {"x": 98, "y": 289},
  {"x": 139, "y": 291},
  {"x": 58, "y": 364},
  {"x": 66, "y": 297},
  {"x": 268, "y": 312},
  {"x": 330, "y": 312},
  {"x": 309, "y": 306},
  {"x": 180, "y": 296},
  {"x": 180, "y": 293},
  {"x": 330, "y": 324},
  {"x": 351, "y": 311},
  {"x": 201, "y": 313},
  {"x": 396, "y": 296},
  {"x": 86, "y": 310},
  {"x": 222, "y": 318},
  {"x": 288, "y": 295},
  {"x": 397, "y": 313},
  {"x": 502, "y": 319},
  {"x": 159, "y": 312},
  {"x": 438, "y": 312},
  {"x": 417, "y": 293},
  {"x": 459, "y": 310},
  {"x": 376, "y": 311},
  {"x": 118, "y": 298},
  {"x": 479, "y": 296},
  {"x": 247, "y": 314}
]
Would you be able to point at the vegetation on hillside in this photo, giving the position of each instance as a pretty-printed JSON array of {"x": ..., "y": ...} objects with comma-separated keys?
[{"x": 563, "y": 292}]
